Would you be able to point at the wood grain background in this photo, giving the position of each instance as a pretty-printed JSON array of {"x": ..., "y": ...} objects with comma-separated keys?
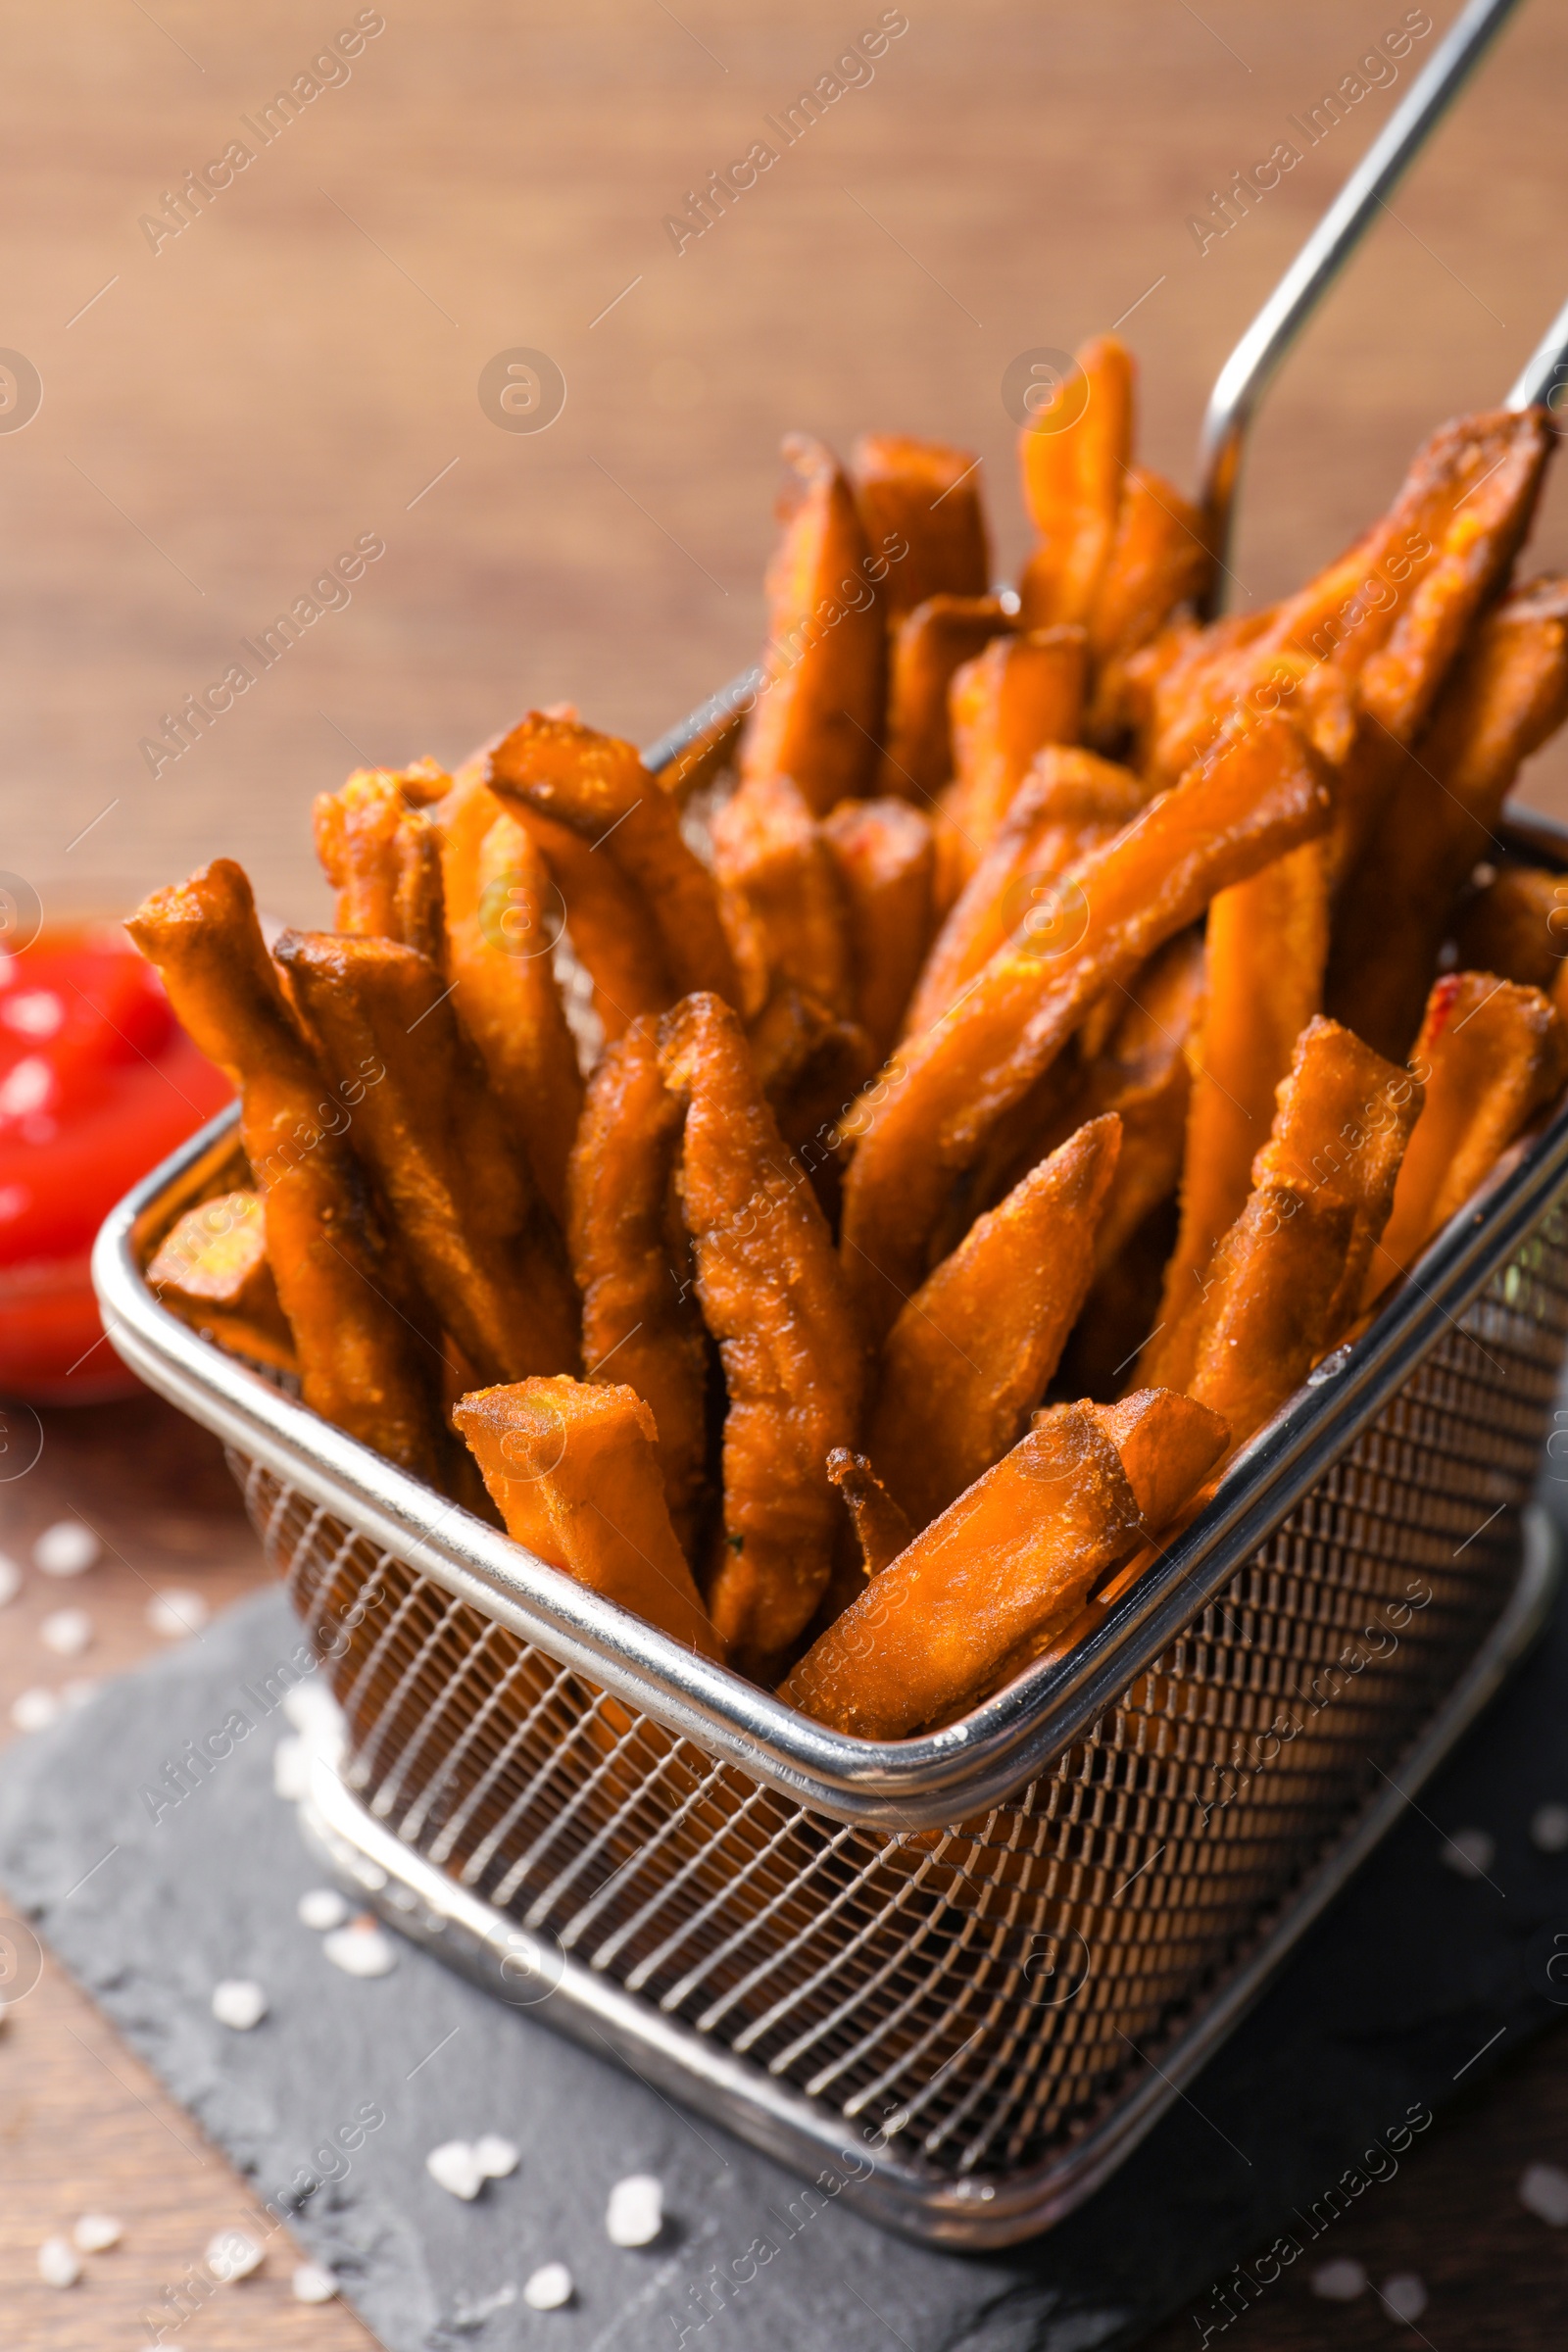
[{"x": 300, "y": 365}]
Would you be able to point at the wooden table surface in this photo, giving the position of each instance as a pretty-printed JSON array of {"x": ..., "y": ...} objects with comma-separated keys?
[{"x": 300, "y": 364}]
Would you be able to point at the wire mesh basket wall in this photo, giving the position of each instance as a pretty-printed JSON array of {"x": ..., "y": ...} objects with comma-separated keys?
[{"x": 973, "y": 1997}]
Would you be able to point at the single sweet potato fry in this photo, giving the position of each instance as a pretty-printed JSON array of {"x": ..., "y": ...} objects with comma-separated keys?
[
  {"x": 819, "y": 715},
  {"x": 1074, "y": 454},
  {"x": 597, "y": 787},
  {"x": 1517, "y": 927},
  {"x": 1168, "y": 1446},
  {"x": 571, "y": 1466},
  {"x": 1343, "y": 1121},
  {"x": 1158, "y": 563},
  {"x": 610, "y": 927},
  {"x": 886, "y": 859},
  {"x": 881, "y": 1528},
  {"x": 1493, "y": 1054},
  {"x": 1007, "y": 705},
  {"x": 779, "y": 875},
  {"x": 1342, "y": 1127},
  {"x": 925, "y": 648},
  {"x": 212, "y": 1269},
  {"x": 640, "y": 1319},
  {"x": 364, "y": 1364},
  {"x": 928, "y": 1115},
  {"x": 383, "y": 858},
  {"x": 970, "y": 1355},
  {"x": 927, "y": 495},
  {"x": 1024, "y": 1543},
  {"x": 773, "y": 1297},
  {"x": 483, "y": 1250},
  {"x": 1271, "y": 1313},
  {"x": 504, "y": 912},
  {"x": 1266, "y": 945},
  {"x": 1507, "y": 692},
  {"x": 1069, "y": 803}
]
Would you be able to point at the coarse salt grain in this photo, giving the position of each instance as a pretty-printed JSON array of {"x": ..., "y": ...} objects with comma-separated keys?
[
  {"x": 1339, "y": 2281},
  {"x": 67, "y": 1549},
  {"x": 96, "y": 2233},
  {"x": 34, "y": 1710},
  {"x": 175, "y": 1613},
  {"x": 1548, "y": 1829},
  {"x": 550, "y": 2288},
  {"x": 1468, "y": 1853},
  {"x": 67, "y": 1632},
  {"x": 1543, "y": 2191},
  {"x": 635, "y": 2214},
  {"x": 239, "y": 2002},
  {"x": 233, "y": 2255},
  {"x": 361, "y": 1951},
  {"x": 291, "y": 1768},
  {"x": 497, "y": 2158},
  {"x": 59, "y": 2264},
  {"x": 322, "y": 1909},
  {"x": 454, "y": 2167},
  {"x": 1405, "y": 2296},
  {"x": 309, "y": 1707},
  {"x": 310, "y": 2283},
  {"x": 10, "y": 1579}
]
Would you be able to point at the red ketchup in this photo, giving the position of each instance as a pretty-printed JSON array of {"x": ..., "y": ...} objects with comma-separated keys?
[{"x": 97, "y": 1082}]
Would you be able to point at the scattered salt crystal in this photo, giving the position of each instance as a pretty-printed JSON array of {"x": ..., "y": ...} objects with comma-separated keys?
[
  {"x": 58, "y": 2262},
  {"x": 497, "y": 2158},
  {"x": 67, "y": 1632},
  {"x": 1469, "y": 1853},
  {"x": 635, "y": 2214},
  {"x": 10, "y": 1579},
  {"x": 1405, "y": 2296},
  {"x": 67, "y": 1549},
  {"x": 239, "y": 2002},
  {"x": 1543, "y": 2191},
  {"x": 96, "y": 2233},
  {"x": 291, "y": 1768},
  {"x": 1548, "y": 1829},
  {"x": 34, "y": 1710},
  {"x": 454, "y": 2167},
  {"x": 322, "y": 1909},
  {"x": 549, "y": 2288},
  {"x": 233, "y": 2255},
  {"x": 1339, "y": 2281},
  {"x": 175, "y": 1613},
  {"x": 313, "y": 2285},
  {"x": 361, "y": 1951},
  {"x": 309, "y": 1707}
]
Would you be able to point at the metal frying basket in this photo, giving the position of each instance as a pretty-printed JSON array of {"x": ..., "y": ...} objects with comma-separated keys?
[{"x": 968, "y": 1969}]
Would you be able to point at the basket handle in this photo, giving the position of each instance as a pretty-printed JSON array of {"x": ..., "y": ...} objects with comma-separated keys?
[
  {"x": 1240, "y": 386},
  {"x": 1543, "y": 380}
]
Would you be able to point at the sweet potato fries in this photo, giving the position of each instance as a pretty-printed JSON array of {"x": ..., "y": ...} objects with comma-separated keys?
[{"x": 751, "y": 1185}]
